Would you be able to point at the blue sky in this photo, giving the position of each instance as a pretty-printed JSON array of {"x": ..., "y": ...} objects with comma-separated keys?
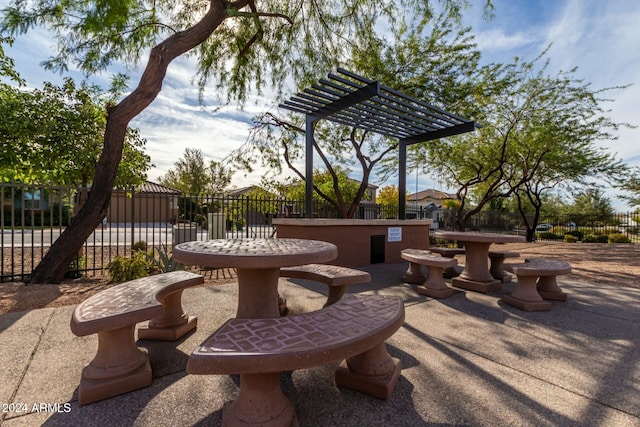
[{"x": 600, "y": 38}]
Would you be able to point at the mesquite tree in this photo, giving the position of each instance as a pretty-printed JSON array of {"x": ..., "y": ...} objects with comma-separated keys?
[{"x": 240, "y": 46}]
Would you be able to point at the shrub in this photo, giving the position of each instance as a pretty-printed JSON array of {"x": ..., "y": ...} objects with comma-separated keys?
[
  {"x": 122, "y": 269},
  {"x": 548, "y": 235},
  {"x": 618, "y": 238},
  {"x": 570, "y": 238},
  {"x": 140, "y": 245},
  {"x": 579, "y": 235},
  {"x": 164, "y": 263},
  {"x": 591, "y": 238}
]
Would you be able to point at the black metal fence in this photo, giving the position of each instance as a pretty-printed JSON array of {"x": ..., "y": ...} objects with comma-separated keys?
[
  {"x": 613, "y": 228},
  {"x": 34, "y": 216}
]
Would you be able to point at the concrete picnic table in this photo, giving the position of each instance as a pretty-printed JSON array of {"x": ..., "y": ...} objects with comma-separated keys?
[
  {"x": 258, "y": 263},
  {"x": 476, "y": 275}
]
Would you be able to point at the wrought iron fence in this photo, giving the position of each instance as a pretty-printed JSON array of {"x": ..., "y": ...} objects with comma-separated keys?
[
  {"x": 611, "y": 228},
  {"x": 33, "y": 216}
]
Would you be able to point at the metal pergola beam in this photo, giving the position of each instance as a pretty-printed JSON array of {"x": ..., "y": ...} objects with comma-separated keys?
[{"x": 352, "y": 100}]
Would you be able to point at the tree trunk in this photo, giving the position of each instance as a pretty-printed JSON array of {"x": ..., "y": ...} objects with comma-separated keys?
[{"x": 56, "y": 262}]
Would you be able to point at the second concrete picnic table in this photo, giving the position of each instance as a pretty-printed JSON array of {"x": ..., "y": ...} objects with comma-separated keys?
[
  {"x": 258, "y": 263},
  {"x": 476, "y": 275}
]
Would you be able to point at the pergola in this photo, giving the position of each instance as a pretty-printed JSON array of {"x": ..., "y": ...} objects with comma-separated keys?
[{"x": 352, "y": 100}]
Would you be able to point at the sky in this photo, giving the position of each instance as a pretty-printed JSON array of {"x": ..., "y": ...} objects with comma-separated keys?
[{"x": 599, "y": 38}]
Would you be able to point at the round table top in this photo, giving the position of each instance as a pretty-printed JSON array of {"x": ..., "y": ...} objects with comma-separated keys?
[
  {"x": 254, "y": 253},
  {"x": 472, "y": 236}
]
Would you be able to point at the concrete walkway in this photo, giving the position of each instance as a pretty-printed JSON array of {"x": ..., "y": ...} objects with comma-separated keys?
[{"x": 468, "y": 360}]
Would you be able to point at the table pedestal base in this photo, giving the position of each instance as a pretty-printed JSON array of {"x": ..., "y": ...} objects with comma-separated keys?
[{"x": 473, "y": 285}]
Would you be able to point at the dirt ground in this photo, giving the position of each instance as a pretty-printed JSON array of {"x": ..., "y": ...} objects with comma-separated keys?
[
  {"x": 615, "y": 265},
  {"x": 20, "y": 297}
]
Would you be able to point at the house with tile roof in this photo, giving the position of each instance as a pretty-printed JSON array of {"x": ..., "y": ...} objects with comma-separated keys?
[
  {"x": 151, "y": 202},
  {"x": 428, "y": 204}
]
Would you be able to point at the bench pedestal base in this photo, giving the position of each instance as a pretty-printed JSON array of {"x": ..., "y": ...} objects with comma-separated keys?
[
  {"x": 414, "y": 274},
  {"x": 473, "y": 285},
  {"x": 548, "y": 288},
  {"x": 435, "y": 293},
  {"x": 380, "y": 387},
  {"x": 527, "y": 305},
  {"x": 434, "y": 286},
  {"x": 169, "y": 333},
  {"x": 260, "y": 403},
  {"x": 553, "y": 295},
  {"x": 334, "y": 294},
  {"x": 373, "y": 372},
  {"x": 94, "y": 390},
  {"x": 526, "y": 296}
]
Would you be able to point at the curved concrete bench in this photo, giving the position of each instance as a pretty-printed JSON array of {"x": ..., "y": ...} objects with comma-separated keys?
[
  {"x": 119, "y": 366},
  {"x": 433, "y": 286},
  {"x": 496, "y": 266},
  {"x": 536, "y": 280},
  {"x": 354, "y": 328},
  {"x": 448, "y": 272},
  {"x": 337, "y": 278}
]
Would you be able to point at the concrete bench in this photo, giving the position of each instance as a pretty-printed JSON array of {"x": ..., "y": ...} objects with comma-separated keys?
[
  {"x": 433, "y": 286},
  {"x": 496, "y": 265},
  {"x": 353, "y": 328},
  {"x": 536, "y": 282},
  {"x": 119, "y": 366},
  {"x": 449, "y": 272},
  {"x": 337, "y": 278}
]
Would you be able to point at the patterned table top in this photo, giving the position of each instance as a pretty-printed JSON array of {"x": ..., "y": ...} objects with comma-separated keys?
[
  {"x": 470, "y": 236},
  {"x": 254, "y": 253}
]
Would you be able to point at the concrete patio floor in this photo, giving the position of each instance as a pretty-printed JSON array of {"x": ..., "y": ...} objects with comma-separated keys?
[{"x": 467, "y": 360}]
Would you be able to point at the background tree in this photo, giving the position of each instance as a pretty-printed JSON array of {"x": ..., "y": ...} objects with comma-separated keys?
[
  {"x": 219, "y": 177},
  {"x": 593, "y": 204},
  {"x": 240, "y": 45},
  {"x": 334, "y": 187},
  {"x": 632, "y": 186},
  {"x": 189, "y": 173},
  {"x": 388, "y": 195},
  {"x": 192, "y": 176},
  {"x": 54, "y": 135},
  {"x": 539, "y": 131}
]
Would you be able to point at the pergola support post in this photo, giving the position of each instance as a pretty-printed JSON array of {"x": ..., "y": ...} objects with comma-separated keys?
[
  {"x": 308, "y": 190},
  {"x": 402, "y": 179}
]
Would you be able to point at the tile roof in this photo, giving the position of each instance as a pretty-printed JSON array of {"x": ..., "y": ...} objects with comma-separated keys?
[{"x": 432, "y": 194}]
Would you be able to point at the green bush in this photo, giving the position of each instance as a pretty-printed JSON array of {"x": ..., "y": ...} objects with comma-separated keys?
[
  {"x": 548, "y": 235},
  {"x": 591, "y": 238},
  {"x": 618, "y": 238},
  {"x": 140, "y": 245},
  {"x": 122, "y": 269},
  {"x": 570, "y": 238},
  {"x": 579, "y": 235}
]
